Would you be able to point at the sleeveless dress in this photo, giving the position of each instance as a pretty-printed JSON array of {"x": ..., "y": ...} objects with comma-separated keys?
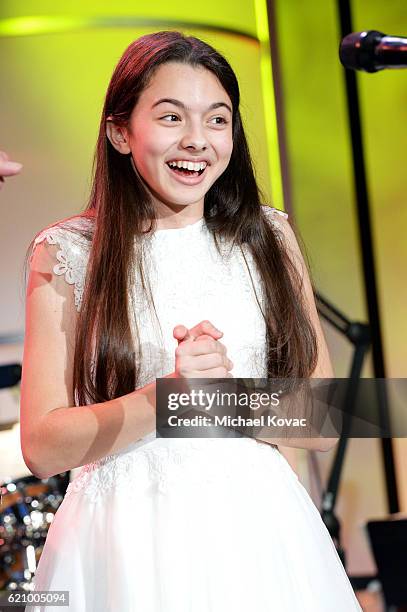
[{"x": 190, "y": 525}]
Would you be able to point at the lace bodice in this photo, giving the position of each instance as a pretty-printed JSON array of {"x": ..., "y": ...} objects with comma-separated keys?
[{"x": 190, "y": 282}]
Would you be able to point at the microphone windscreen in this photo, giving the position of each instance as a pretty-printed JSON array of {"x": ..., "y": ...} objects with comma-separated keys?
[{"x": 357, "y": 50}]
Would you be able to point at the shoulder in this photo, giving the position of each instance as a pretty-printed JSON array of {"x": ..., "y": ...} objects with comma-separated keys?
[
  {"x": 287, "y": 235},
  {"x": 274, "y": 214},
  {"x": 72, "y": 231},
  {"x": 279, "y": 221},
  {"x": 277, "y": 218},
  {"x": 62, "y": 248}
]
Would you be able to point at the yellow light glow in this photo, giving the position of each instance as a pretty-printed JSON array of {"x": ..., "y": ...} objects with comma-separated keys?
[
  {"x": 42, "y": 24},
  {"x": 270, "y": 115}
]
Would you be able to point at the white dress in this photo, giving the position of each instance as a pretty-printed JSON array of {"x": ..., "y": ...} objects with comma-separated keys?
[{"x": 190, "y": 525}]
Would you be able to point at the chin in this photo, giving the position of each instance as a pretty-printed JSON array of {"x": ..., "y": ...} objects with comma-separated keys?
[{"x": 174, "y": 199}]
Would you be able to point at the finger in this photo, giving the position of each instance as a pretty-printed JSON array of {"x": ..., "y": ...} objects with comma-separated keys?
[
  {"x": 204, "y": 337},
  {"x": 8, "y": 168},
  {"x": 205, "y": 347},
  {"x": 179, "y": 332},
  {"x": 213, "y": 360},
  {"x": 205, "y": 327},
  {"x": 213, "y": 373}
]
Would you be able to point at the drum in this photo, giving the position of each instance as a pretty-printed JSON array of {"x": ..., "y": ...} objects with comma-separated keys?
[{"x": 27, "y": 508}]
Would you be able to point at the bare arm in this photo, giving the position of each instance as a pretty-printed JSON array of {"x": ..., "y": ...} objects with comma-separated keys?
[
  {"x": 55, "y": 435},
  {"x": 324, "y": 367}
]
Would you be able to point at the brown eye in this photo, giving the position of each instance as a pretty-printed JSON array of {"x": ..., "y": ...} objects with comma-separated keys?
[
  {"x": 170, "y": 115},
  {"x": 223, "y": 120}
]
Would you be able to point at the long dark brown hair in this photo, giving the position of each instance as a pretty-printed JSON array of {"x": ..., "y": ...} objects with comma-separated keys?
[{"x": 122, "y": 209}]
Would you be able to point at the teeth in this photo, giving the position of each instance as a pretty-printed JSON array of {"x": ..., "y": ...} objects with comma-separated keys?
[{"x": 188, "y": 165}]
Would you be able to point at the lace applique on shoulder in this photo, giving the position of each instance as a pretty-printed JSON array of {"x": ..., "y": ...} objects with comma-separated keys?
[
  {"x": 72, "y": 255},
  {"x": 273, "y": 215}
]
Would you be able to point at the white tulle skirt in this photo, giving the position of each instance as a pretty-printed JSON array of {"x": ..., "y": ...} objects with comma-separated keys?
[{"x": 206, "y": 525}]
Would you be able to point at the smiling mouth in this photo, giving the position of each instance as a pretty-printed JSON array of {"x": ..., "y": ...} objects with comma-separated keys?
[{"x": 185, "y": 172}]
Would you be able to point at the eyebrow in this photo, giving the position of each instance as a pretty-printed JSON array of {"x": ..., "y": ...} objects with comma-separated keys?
[{"x": 182, "y": 105}]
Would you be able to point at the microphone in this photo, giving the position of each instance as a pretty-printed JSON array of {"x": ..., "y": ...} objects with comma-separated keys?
[{"x": 372, "y": 51}]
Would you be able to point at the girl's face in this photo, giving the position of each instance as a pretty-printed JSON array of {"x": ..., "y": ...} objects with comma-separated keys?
[{"x": 184, "y": 115}]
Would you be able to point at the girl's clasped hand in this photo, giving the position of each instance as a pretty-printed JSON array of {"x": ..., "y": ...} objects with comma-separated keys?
[{"x": 199, "y": 353}]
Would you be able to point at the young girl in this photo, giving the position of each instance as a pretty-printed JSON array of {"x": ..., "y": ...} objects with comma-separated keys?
[{"x": 174, "y": 269}]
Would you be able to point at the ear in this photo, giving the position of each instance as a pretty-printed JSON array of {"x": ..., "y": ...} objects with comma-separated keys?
[{"x": 118, "y": 137}]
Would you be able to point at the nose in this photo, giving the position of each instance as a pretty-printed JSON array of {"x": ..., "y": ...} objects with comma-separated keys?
[{"x": 194, "y": 138}]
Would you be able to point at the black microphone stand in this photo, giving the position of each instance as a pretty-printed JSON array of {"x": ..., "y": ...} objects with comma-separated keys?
[
  {"x": 359, "y": 335},
  {"x": 368, "y": 262}
]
